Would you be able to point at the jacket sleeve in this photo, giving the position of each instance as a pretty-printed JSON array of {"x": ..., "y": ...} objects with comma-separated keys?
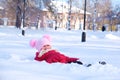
[
  {"x": 55, "y": 56},
  {"x": 38, "y": 58}
]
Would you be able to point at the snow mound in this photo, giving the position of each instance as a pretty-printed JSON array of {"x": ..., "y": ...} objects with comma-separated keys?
[
  {"x": 93, "y": 37},
  {"x": 111, "y": 36},
  {"x": 107, "y": 69},
  {"x": 17, "y": 57}
]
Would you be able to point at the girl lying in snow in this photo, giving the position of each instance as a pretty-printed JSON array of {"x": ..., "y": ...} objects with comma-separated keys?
[{"x": 46, "y": 53}]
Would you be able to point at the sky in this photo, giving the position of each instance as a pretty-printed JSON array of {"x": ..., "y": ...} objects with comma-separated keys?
[{"x": 115, "y": 1}]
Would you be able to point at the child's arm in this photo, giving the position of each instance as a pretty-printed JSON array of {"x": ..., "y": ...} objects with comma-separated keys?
[{"x": 43, "y": 52}]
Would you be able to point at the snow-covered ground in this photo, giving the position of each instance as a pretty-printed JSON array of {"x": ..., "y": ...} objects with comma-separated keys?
[{"x": 17, "y": 57}]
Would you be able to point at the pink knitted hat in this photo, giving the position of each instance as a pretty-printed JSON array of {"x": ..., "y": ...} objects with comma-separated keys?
[{"x": 38, "y": 44}]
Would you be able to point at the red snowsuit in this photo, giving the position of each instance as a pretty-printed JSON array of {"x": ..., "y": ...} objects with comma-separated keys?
[{"x": 53, "y": 56}]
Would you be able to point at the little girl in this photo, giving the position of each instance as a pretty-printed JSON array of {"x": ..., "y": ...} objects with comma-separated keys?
[{"x": 46, "y": 53}]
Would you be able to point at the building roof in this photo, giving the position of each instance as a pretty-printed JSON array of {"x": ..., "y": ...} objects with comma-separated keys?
[{"x": 63, "y": 7}]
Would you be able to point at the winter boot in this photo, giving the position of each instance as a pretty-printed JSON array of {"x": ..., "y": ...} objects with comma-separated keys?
[
  {"x": 87, "y": 65},
  {"x": 102, "y": 62}
]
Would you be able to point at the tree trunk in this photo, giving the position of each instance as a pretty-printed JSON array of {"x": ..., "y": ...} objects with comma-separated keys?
[
  {"x": 18, "y": 14},
  {"x": 18, "y": 17}
]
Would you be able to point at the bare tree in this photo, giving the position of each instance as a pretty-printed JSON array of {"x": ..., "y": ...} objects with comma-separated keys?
[
  {"x": 100, "y": 10},
  {"x": 14, "y": 9},
  {"x": 117, "y": 13},
  {"x": 21, "y": 9},
  {"x": 47, "y": 2}
]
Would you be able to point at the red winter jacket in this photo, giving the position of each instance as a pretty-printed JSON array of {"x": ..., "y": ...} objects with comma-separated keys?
[{"x": 53, "y": 56}]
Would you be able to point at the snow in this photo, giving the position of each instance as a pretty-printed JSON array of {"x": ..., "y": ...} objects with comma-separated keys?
[{"x": 17, "y": 57}]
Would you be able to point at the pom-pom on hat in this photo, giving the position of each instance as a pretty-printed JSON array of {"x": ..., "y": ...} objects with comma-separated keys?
[{"x": 38, "y": 44}]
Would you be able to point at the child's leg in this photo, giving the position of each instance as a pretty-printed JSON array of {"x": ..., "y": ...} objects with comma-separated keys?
[{"x": 78, "y": 62}]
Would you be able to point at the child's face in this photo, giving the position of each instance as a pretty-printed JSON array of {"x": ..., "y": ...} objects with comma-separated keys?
[{"x": 45, "y": 47}]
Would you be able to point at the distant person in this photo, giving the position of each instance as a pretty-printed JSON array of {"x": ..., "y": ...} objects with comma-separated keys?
[
  {"x": 103, "y": 28},
  {"x": 46, "y": 53}
]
